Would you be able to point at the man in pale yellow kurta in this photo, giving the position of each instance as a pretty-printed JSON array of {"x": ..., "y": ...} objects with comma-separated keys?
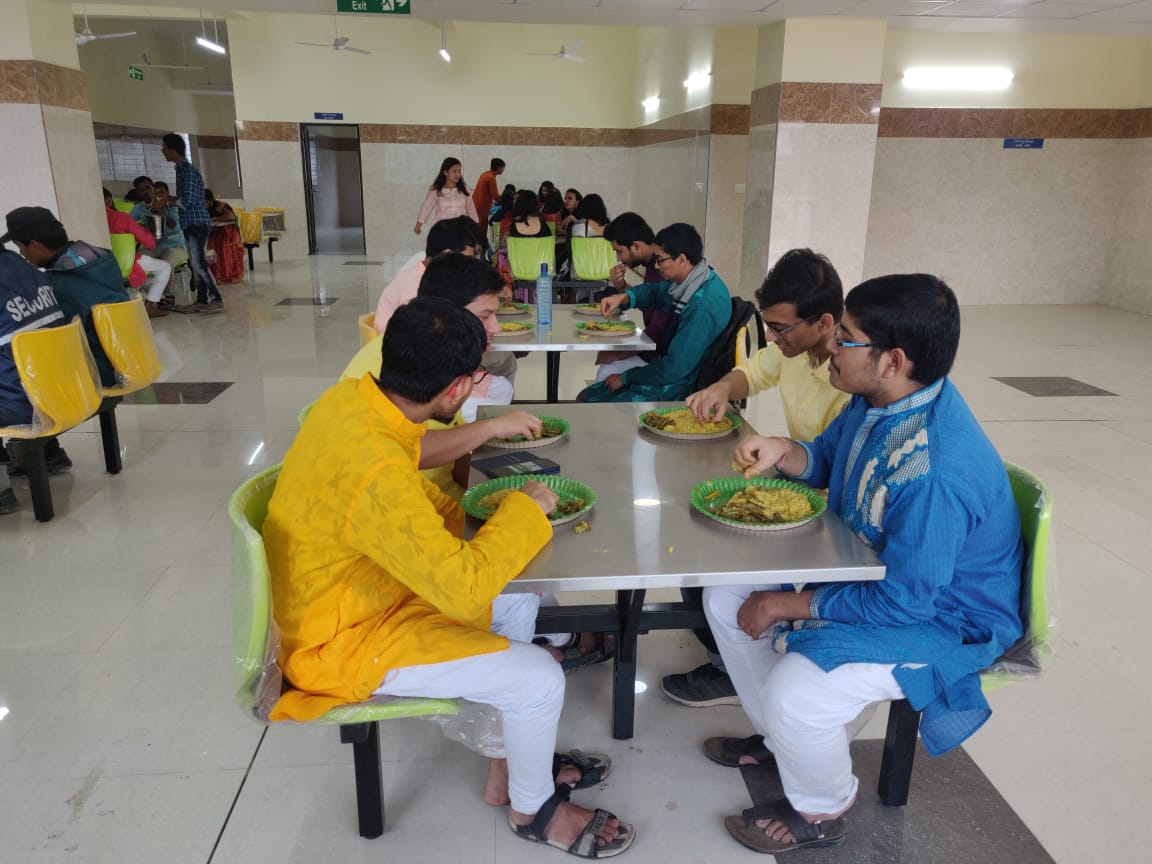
[
  {"x": 800, "y": 303},
  {"x": 375, "y": 592}
]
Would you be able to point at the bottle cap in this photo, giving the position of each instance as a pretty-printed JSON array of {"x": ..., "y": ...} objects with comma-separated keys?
[{"x": 543, "y": 269}]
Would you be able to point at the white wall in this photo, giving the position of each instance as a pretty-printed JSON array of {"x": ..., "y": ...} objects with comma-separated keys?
[{"x": 1128, "y": 264}]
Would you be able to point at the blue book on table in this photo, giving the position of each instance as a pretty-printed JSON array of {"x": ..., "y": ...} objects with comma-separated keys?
[{"x": 514, "y": 464}]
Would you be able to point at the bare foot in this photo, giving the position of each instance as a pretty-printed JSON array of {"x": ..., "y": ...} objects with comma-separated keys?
[
  {"x": 496, "y": 783},
  {"x": 569, "y": 822},
  {"x": 777, "y": 830}
]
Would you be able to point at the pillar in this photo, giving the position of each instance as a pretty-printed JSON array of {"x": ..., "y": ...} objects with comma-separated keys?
[
  {"x": 812, "y": 144},
  {"x": 45, "y": 120}
]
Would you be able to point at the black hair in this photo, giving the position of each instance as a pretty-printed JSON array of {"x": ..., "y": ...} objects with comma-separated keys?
[
  {"x": 508, "y": 198},
  {"x": 525, "y": 205},
  {"x": 107, "y": 194},
  {"x": 143, "y": 178},
  {"x": 629, "y": 228},
  {"x": 174, "y": 142},
  {"x": 545, "y": 187},
  {"x": 209, "y": 195},
  {"x": 447, "y": 235},
  {"x": 553, "y": 202},
  {"x": 917, "y": 313},
  {"x": 160, "y": 183},
  {"x": 680, "y": 238},
  {"x": 473, "y": 233},
  {"x": 132, "y": 196},
  {"x": 808, "y": 281},
  {"x": 496, "y": 164},
  {"x": 429, "y": 343},
  {"x": 592, "y": 207},
  {"x": 458, "y": 278},
  {"x": 442, "y": 178}
]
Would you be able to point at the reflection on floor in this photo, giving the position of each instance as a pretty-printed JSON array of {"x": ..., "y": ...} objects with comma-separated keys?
[
  {"x": 178, "y": 393},
  {"x": 122, "y": 742}
]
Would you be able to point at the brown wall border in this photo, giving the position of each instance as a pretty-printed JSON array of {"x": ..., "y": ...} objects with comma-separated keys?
[
  {"x": 806, "y": 102},
  {"x": 30, "y": 82},
  {"x": 265, "y": 130},
  {"x": 215, "y": 142},
  {"x": 1015, "y": 123}
]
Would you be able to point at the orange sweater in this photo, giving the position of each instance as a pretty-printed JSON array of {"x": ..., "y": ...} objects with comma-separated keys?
[{"x": 368, "y": 569}]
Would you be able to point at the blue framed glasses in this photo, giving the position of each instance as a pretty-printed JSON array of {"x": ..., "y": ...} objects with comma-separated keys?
[{"x": 844, "y": 343}]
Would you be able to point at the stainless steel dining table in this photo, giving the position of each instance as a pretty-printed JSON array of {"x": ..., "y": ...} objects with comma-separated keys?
[
  {"x": 645, "y": 534},
  {"x": 565, "y": 337}
]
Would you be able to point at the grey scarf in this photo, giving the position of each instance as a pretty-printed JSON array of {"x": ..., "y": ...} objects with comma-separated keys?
[{"x": 683, "y": 292}]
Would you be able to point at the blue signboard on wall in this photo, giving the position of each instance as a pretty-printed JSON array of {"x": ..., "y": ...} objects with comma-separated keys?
[
  {"x": 339, "y": 115},
  {"x": 1023, "y": 143}
]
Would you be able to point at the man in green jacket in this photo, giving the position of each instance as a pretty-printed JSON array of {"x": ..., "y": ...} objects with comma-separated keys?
[{"x": 700, "y": 306}]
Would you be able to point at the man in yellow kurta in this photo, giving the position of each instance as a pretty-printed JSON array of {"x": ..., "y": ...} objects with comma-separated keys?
[
  {"x": 800, "y": 302},
  {"x": 374, "y": 591}
]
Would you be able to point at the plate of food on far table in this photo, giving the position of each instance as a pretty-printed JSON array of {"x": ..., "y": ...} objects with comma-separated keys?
[
  {"x": 592, "y": 310},
  {"x": 679, "y": 423},
  {"x": 513, "y": 309},
  {"x": 759, "y": 503},
  {"x": 603, "y": 327},
  {"x": 515, "y": 328}
]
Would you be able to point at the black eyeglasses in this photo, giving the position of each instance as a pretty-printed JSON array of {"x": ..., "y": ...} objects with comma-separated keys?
[
  {"x": 660, "y": 260},
  {"x": 843, "y": 343},
  {"x": 479, "y": 375},
  {"x": 778, "y": 331}
]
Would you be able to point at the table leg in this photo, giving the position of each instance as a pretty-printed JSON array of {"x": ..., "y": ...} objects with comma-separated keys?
[
  {"x": 553, "y": 376},
  {"x": 630, "y": 605}
]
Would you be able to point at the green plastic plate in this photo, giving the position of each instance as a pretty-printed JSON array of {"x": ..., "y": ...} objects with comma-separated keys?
[
  {"x": 519, "y": 442},
  {"x": 736, "y": 419},
  {"x": 562, "y": 486},
  {"x": 711, "y": 495}
]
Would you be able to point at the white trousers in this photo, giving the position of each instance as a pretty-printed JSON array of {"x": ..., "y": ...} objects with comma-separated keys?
[
  {"x": 802, "y": 711},
  {"x": 499, "y": 393},
  {"x": 617, "y": 367},
  {"x": 524, "y": 683},
  {"x": 159, "y": 272}
]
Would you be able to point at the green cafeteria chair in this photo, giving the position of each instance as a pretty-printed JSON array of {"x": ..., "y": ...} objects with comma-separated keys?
[
  {"x": 592, "y": 262},
  {"x": 124, "y": 248},
  {"x": 255, "y": 642},
  {"x": 1023, "y": 660},
  {"x": 525, "y": 255}
]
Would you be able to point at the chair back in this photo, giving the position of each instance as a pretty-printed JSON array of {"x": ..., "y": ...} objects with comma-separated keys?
[
  {"x": 303, "y": 413},
  {"x": 592, "y": 258},
  {"x": 254, "y": 637},
  {"x": 59, "y": 377},
  {"x": 1025, "y": 658},
  {"x": 124, "y": 250},
  {"x": 526, "y": 254},
  {"x": 123, "y": 206},
  {"x": 126, "y": 336},
  {"x": 367, "y": 330},
  {"x": 251, "y": 226}
]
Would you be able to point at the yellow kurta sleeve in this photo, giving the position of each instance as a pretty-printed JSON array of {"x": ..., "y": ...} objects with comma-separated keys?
[{"x": 762, "y": 369}]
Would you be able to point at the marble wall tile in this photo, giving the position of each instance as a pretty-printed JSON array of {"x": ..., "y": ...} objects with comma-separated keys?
[
  {"x": 1002, "y": 226},
  {"x": 274, "y": 177},
  {"x": 18, "y": 82},
  {"x": 757, "y": 217},
  {"x": 805, "y": 102},
  {"x": 1127, "y": 279},
  {"x": 730, "y": 119},
  {"x": 215, "y": 142},
  {"x": 727, "y": 170},
  {"x": 1097, "y": 123},
  {"x": 22, "y": 131},
  {"x": 75, "y": 172},
  {"x": 61, "y": 87},
  {"x": 855, "y": 103},
  {"x": 266, "y": 130},
  {"x": 670, "y": 182},
  {"x": 765, "y": 107}
]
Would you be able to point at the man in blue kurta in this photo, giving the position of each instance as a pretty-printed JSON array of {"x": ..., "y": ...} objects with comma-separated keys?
[
  {"x": 909, "y": 469},
  {"x": 699, "y": 305}
]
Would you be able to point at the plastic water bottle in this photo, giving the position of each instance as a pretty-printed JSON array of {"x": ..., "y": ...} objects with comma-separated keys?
[{"x": 544, "y": 299}]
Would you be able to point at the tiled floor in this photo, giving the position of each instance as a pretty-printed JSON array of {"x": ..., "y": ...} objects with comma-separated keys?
[{"x": 122, "y": 744}]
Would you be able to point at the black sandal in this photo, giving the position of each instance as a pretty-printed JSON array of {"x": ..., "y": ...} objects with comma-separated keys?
[
  {"x": 594, "y": 767},
  {"x": 587, "y": 844},
  {"x": 601, "y": 651},
  {"x": 727, "y": 751},
  {"x": 805, "y": 834}
]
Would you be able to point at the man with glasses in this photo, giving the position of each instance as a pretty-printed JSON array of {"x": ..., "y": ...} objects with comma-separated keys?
[
  {"x": 911, "y": 472},
  {"x": 800, "y": 301}
]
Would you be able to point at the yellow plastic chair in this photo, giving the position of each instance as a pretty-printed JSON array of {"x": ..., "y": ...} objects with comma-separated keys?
[
  {"x": 367, "y": 331},
  {"x": 1022, "y": 661},
  {"x": 125, "y": 334},
  {"x": 122, "y": 205},
  {"x": 256, "y": 644},
  {"x": 124, "y": 248},
  {"x": 60, "y": 379}
]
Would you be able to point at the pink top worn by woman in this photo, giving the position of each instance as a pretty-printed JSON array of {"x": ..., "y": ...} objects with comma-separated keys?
[{"x": 448, "y": 204}]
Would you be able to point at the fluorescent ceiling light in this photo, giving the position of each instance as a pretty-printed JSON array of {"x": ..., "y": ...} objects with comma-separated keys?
[
  {"x": 958, "y": 78},
  {"x": 210, "y": 45},
  {"x": 651, "y": 103},
  {"x": 444, "y": 43},
  {"x": 697, "y": 81}
]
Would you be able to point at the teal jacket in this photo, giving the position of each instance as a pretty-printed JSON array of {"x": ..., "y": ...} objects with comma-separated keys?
[
  {"x": 80, "y": 288},
  {"x": 669, "y": 377}
]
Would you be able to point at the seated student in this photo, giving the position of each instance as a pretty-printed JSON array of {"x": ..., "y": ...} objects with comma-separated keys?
[
  {"x": 151, "y": 274},
  {"x": 572, "y": 199},
  {"x": 550, "y": 210},
  {"x": 170, "y": 246},
  {"x": 502, "y": 207},
  {"x": 700, "y": 305},
  {"x": 26, "y": 303},
  {"x": 634, "y": 241},
  {"x": 909, "y": 469},
  {"x": 800, "y": 301},
  {"x": 366, "y": 608},
  {"x": 81, "y": 275},
  {"x": 526, "y": 218},
  {"x": 589, "y": 218},
  {"x": 224, "y": 239}
]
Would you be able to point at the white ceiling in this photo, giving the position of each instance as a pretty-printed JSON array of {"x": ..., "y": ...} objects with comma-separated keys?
[{"x": 1080, "y": 16}]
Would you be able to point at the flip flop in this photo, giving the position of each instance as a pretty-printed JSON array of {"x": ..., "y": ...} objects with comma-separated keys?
[
  {"x": 805, "y": 834},
  {"x": 594, "y": 767}
]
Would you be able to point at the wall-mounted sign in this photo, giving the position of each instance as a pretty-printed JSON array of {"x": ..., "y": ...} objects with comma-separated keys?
[
  {"x": 1023, "y": 143},
  {"x": 379, "y": 7},
  {"x": 136, "y": 72},
  {"x": 328, "y": 115}
]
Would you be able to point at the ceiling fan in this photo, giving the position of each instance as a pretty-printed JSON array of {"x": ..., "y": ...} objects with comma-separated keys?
[
  {"x": 565, "y": 52},
  {"x": 340, "y": 43},
  {"x": 86, "y": 35}
]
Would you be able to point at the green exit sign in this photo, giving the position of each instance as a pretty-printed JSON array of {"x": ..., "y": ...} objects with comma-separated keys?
[
  {"x": 136, "y": 72},
  {"x": 379, "y": 7}
]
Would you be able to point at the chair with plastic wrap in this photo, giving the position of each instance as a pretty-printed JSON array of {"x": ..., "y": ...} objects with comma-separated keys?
[
  {"x": 124, "y": 250},
  {"x": 1022, "y": 661},
  {"x": 592, "y": 262},
  {"x": 126, "y": 336},
  {"x": 60, "y": 379},
  {"x": 256, "y": 642},
  {"x": 367, "y": 331},
  {"x": 525, "y": 255}
]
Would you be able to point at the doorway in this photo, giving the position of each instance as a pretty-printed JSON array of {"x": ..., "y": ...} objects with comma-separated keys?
[{"x": 333, "y": 190}]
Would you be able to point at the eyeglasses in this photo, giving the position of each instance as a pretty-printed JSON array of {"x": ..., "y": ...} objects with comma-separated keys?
[
  {"x": 479, "y": 375},
  {"x": 842, "y": 343},
  {"x": 658, "y": 261},
  {"x": 779, "y": 331}
]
